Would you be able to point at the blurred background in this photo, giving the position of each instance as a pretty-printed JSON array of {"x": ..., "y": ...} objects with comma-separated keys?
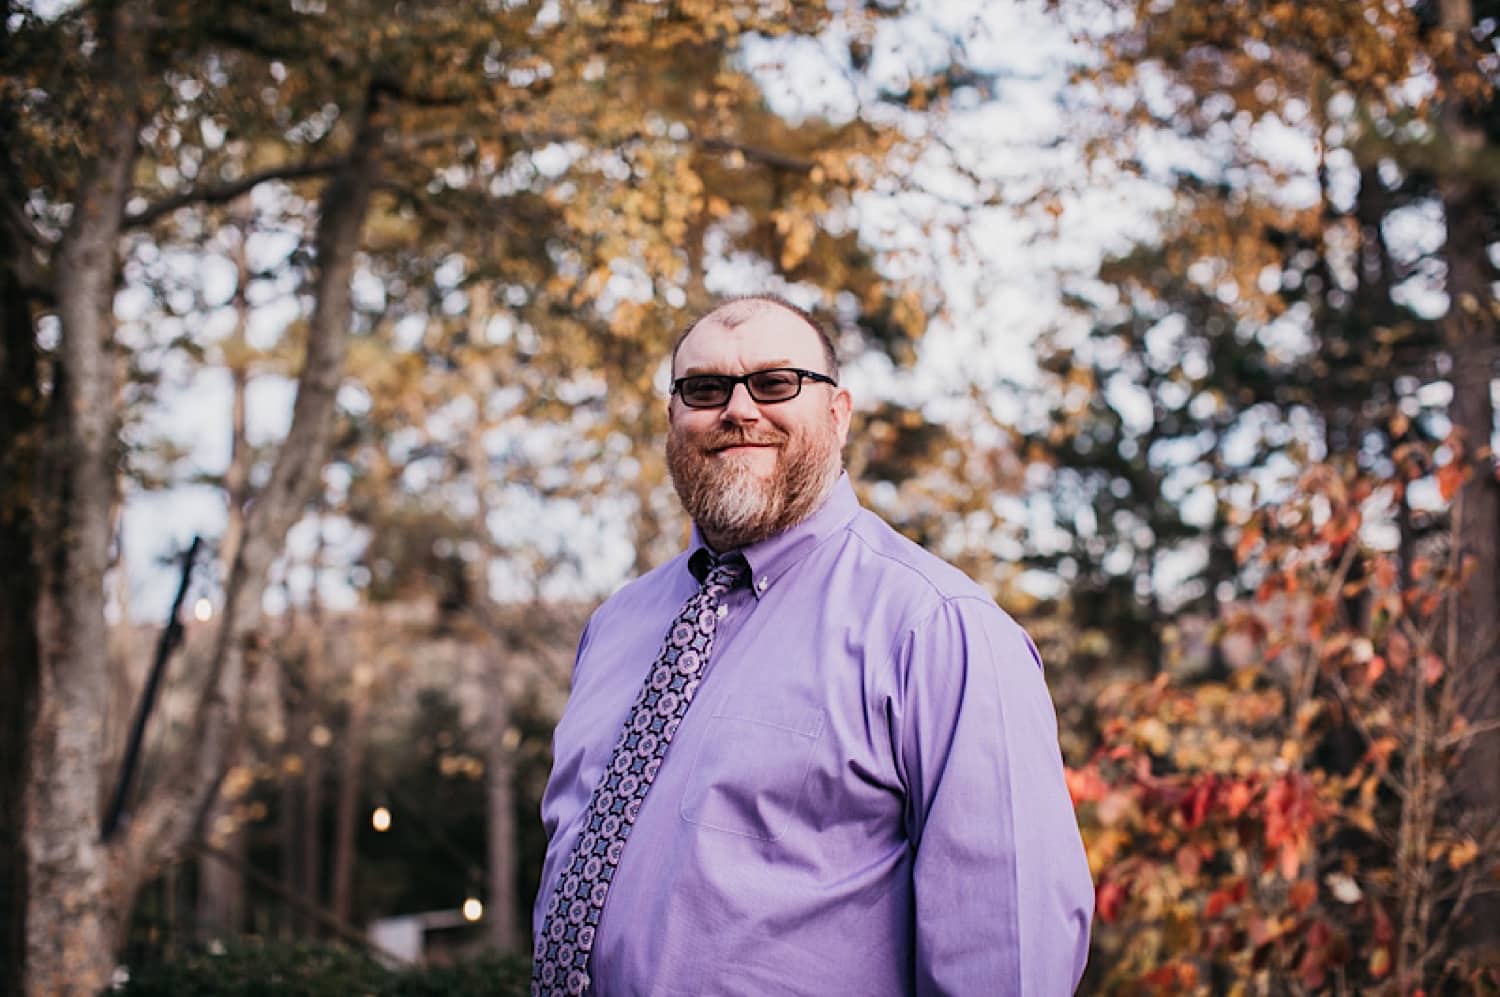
[{"x": 334, "y": 350}]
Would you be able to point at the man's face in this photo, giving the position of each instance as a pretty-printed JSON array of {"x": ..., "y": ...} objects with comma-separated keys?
[{"x": 745, "y": 470}]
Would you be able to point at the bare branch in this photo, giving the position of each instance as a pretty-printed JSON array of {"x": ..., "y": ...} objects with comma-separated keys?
[
  {"x": 1468, "y": 734},
  {"x": 227, "y": 192}
]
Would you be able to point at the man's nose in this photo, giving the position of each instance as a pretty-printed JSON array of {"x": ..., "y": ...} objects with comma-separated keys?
[{"x": 740, "y": 408}]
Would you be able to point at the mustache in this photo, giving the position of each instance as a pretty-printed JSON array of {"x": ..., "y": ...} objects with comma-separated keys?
[{"x": 722, "y": 438}]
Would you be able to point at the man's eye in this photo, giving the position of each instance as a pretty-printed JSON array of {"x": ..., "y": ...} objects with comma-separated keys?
[
  {"x": 706, "y": 387},
  {"x": 774, "y": 379}
]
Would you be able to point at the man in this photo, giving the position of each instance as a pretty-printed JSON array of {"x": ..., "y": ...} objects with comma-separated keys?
[{"x": 866, "y": 796}]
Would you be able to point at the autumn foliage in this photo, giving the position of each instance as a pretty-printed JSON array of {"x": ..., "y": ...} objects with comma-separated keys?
[{"x": 1294, "y": 828}]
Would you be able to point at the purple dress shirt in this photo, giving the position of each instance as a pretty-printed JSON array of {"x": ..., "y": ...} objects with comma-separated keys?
[{"x": 866, "y": 796}]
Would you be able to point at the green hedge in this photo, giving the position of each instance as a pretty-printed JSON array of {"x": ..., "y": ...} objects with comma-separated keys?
[{"x": 284, "y": 970}]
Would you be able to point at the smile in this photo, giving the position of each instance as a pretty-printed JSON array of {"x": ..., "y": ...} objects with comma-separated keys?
[{"x": 744, "y": 448}]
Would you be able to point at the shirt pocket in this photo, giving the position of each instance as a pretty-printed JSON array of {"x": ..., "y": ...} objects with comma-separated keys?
[{"x": 751, "y": 769}]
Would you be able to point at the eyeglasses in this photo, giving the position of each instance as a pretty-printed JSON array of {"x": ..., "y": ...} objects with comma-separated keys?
[{"x": 779, "y": 384}]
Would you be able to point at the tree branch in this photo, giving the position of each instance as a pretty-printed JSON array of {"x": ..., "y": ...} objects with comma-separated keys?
[
  {"x": 754, "y": 153},
  {"x": 767, "y": 157},
  {"x": 229, "y": 191},
  {"x": 386, "y": 86}
]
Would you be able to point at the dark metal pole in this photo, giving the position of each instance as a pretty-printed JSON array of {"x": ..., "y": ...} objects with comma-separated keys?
[{"x": 170, "y": 638}]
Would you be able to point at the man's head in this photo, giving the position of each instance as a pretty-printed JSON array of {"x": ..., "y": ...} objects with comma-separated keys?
[{"x": 746, "y": 469}]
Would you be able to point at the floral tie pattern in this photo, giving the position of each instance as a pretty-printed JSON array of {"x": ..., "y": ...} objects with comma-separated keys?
[{"x": 567, "y": 936}]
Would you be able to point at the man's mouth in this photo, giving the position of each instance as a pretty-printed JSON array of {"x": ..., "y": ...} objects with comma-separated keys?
[{"x": 742, "y": 446}]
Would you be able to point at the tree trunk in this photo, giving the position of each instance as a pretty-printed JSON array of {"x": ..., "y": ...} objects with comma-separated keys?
[
  {"x": 236, "y": 350},
  {"x": 289, "y": 807},
  {"x": 77, "y": 905},
  {"x": 347, "y": 809},
  {"x": 20, "y": 435},
  {"x": 1471, "y": 336},
  {"x": 500, "y": 741},
  {"x": 312, "y": 778},
  {"x": 221, "y": 887},
  {"x": 81, "y": 889},
  {"x": 500, "y": 774}
]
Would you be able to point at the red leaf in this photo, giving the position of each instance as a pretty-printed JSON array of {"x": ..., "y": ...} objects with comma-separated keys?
[
  {"x": 1318, "y": 935},
  {"x": 1247, "y": 543},
  {"x": 1162, "y": 976},
  {"x": 1312, "y": 967},
  {"x": 1290, "y": 860},
  {"x": 1110, "y": 899},
  {"x": 1302, "y": 894},
  {"x": 1195, "y": 806},
  {"x": 1450, "y": 478},
  {"x": 1084, "y": 785},
  {"x": 1239, "y": 798}
]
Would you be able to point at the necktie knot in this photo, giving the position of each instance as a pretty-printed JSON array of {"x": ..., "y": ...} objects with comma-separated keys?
[
  {"x": 725, "y": 576},
  {"x": 719, "y": 575}
]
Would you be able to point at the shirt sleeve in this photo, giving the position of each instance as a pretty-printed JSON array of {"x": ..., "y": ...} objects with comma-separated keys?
[{"x": 1002, "y": 890}]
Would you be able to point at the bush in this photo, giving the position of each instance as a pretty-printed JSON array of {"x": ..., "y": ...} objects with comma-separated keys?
[{"x": 248, "y": 969}]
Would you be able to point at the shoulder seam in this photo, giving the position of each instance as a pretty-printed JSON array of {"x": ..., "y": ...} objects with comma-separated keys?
[{"x": 858, "y": 535}]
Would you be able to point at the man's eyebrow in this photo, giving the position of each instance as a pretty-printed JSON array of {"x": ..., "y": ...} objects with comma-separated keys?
[{"x": 767, "y": 365}]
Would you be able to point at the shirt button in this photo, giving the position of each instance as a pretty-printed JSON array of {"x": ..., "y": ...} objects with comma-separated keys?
[
  {"x": 762, "y": 584},
  {"x": 723, "y": 611}
]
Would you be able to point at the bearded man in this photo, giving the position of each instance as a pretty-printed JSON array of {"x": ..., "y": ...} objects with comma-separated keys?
[{"x": 866, "y": 796}]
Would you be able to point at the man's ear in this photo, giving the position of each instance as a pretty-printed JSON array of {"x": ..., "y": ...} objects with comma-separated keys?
[{"x": 841, "y": 406}]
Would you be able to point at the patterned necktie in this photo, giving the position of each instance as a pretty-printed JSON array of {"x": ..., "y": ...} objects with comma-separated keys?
[{"x": 567, "y": 935}]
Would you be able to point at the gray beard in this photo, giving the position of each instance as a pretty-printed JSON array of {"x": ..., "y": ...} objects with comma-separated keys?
[{"x": 732, "y": 506}]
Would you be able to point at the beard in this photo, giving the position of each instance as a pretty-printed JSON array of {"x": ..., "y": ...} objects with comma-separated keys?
[{"x": 732, "y": 505}]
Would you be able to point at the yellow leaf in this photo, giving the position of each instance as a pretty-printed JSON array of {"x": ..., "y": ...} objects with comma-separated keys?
[{"x": 1462, "y": 854}]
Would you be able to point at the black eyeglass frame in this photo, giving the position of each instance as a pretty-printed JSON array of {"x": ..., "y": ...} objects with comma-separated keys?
[{"x": 727, "y": 382}]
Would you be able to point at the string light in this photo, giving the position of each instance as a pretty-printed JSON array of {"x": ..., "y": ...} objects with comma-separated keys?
[
  {"x": 203, "y": 610},
  {"x": 473, "y": 909},
  {"x": 380, "y": 820}
]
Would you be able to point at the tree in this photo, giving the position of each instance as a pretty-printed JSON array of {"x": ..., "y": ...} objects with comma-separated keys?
[
  {"x": 1325, "y": 285},
  {"x": 580, "y": 160},
  {"x": 1301, "y": 287}
]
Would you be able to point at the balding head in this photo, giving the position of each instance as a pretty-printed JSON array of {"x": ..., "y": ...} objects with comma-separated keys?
[{"x": 736, "y": 312}]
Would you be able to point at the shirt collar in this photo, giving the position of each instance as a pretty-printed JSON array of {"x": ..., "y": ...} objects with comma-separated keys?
[{"x": 771, "y": 558}]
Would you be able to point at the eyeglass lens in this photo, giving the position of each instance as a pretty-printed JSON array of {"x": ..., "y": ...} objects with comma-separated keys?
[{"x": 712, "y": 390}]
